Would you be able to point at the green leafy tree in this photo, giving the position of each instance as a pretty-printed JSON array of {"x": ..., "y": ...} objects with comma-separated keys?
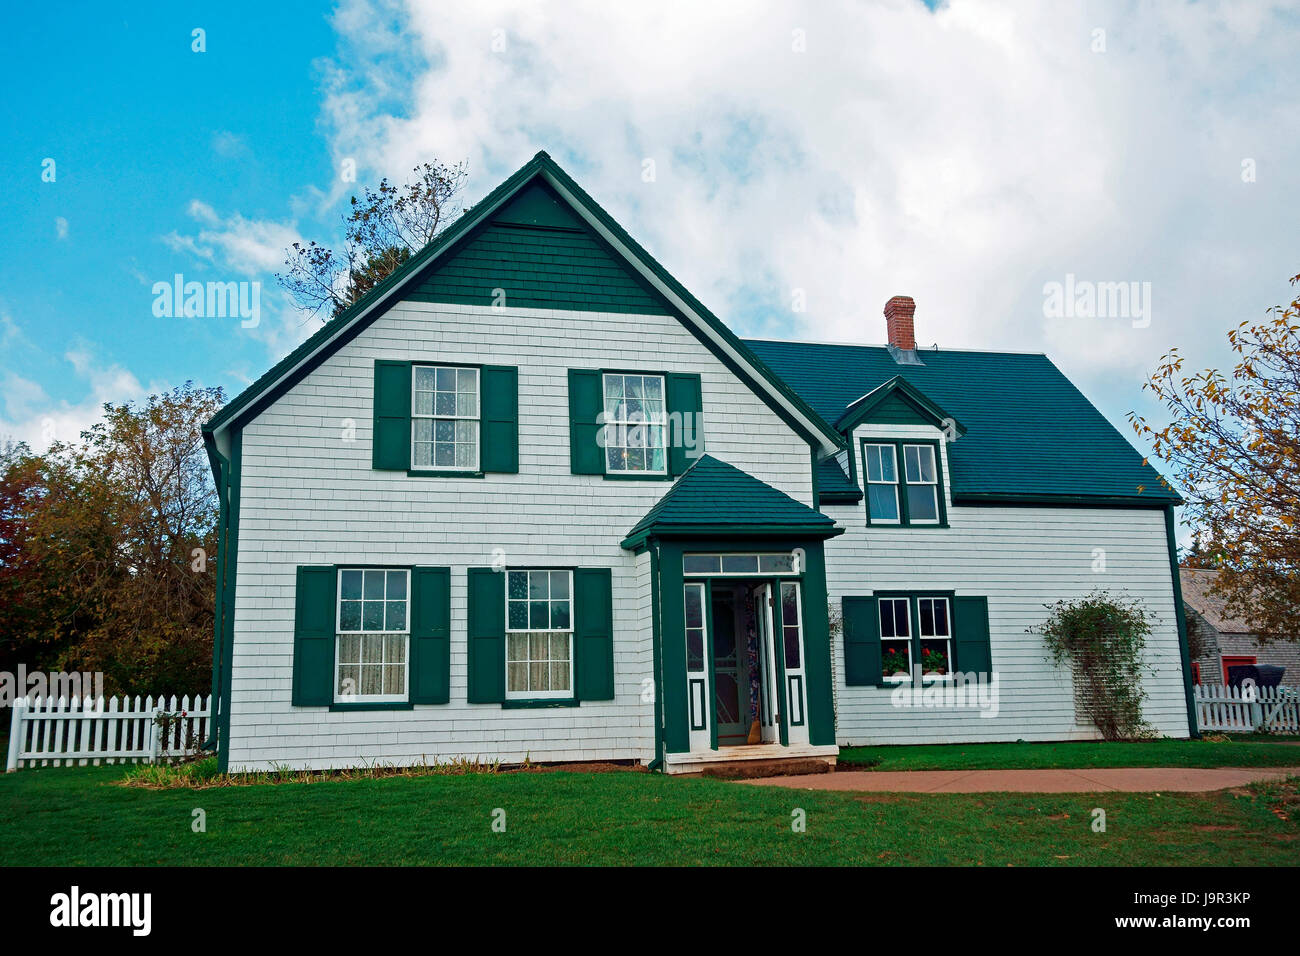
[
  {"x": 110, "y": 546},
  {"x": 1232, "y": 441}
]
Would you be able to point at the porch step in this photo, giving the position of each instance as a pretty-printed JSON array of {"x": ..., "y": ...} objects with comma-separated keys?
[
  {"x": 734, "y": 762},
  {"x": 754, "y": 769}
]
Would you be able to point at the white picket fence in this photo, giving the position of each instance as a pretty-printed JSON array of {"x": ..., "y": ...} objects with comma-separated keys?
[
  {"x": 61, "y": 732},
  {"x": 1270, "y": 710}
]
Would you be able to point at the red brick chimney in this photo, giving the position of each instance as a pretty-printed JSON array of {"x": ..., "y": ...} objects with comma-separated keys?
[{"x": 898, "y": 320}]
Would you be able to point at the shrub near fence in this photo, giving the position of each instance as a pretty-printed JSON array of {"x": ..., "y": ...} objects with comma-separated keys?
[
  {"x": 1273, "y": 710},
  {"x": 61, "y": 732}
]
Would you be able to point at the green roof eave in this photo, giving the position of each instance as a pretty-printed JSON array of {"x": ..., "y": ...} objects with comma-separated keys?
[
  {"x": 1156, "y": 500},
  {"x": 817, "y": 530},
  {"x": 860, "y": 410}
]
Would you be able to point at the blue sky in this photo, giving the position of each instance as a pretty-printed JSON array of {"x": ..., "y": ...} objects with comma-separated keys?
[{"x": 825, "y": 153}]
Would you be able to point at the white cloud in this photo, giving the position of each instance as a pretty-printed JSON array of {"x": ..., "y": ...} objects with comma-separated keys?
[
  {"x": 964, "y": 156},
  {"x": 250, "y": 247},
  {"x": 29, "y": 414},
  {"x": 61, "y": 227},
  {"x": 229, "y": 145}
]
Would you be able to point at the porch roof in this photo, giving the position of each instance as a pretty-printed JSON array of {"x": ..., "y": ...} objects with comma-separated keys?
[{"x": 713, "y": 497}]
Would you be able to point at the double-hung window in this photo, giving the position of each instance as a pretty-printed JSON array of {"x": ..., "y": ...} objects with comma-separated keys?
[
  {"x": 444, "y": 418},
  {"x": 373, "y": 634},
  {"x": 539, "y": 634},
  {"x": 903, "y": 485},
  {"x": 635, "y": 425}
]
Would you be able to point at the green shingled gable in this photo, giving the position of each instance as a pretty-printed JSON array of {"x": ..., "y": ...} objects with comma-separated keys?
[
  {"x": 717, "y": 498},
  {"x": 541, "y": 256},
  {"x": 1030, "y": 434}
]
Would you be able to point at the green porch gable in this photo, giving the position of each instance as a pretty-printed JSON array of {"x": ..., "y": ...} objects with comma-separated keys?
[{"x": 713, "y": 498}]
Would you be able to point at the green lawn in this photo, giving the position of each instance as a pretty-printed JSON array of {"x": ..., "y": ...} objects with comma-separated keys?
[
  {"x": 1026, "y": 756},
  {"x": 78, "y": 816}
]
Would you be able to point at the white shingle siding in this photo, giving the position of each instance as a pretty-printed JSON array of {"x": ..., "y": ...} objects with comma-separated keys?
[
  {"x": 1021, "y": 559},
  {"x": 310, "y": 497}
]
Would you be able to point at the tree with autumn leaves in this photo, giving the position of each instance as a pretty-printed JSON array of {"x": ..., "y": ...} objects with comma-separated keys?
[
  {"x": 108, "y": 549},
  {"x": 1232, "y": 442}
]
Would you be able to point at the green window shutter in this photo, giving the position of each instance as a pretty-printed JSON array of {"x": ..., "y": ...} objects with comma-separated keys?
[
  {"x": 586, "y": 402},
  {"x": 486, "y": 608},
  {"x": 861, "y": 642},
  {"x": 390, "y": 448},
  {"x": 971, "y": 634},
  {"x": 313, "y": 638},
  {"x": 684, "y": 405},
  {"x": 499, "y": 438},
  {"x": 430, "y": 635},
  {"x": 593, "y": 634}
]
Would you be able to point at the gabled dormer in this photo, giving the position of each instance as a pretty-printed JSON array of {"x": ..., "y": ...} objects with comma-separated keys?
[{"x": 897, "y": 439}]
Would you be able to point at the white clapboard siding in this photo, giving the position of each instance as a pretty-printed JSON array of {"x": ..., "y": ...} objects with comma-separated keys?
[
  {"x": 1022, "y": 559},
  {"x": 63, "y": 732},
  {"x": 311, "y": 497},
  {"x": 1273, "y": 710}
]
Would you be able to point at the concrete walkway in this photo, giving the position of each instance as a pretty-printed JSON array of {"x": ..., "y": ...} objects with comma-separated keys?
[{"x": 1129, "y": 780}]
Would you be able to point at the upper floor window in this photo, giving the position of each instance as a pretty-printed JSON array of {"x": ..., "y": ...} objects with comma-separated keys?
[
  {"x": 922, "y": 478},
  {"x": 372, "y": 635},
  {"x": 634, "y": 424},
  {"x": 539, "y": 634},
  {"x": 908, "y": 495},
  {"x": 882, "y": 483},
  {"x": 445, "y": 418}
]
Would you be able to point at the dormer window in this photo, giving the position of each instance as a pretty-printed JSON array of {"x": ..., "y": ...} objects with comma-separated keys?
[
  {"x": 908, "y": 495},
  {"x": 881, "y": 469},
  {"x": 922, "y": 476}
]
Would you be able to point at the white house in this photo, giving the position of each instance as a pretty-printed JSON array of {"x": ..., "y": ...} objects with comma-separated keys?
[{"x": 530, "y": 499}]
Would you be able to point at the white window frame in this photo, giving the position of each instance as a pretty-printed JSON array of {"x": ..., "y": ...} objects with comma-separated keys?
[
  {"x": 340, "y": 632},
  {"x": 907, "y": 606},
  {"x": 932, "y": 485},
  {"x": 435, "y": 418},
  {"x": 922, "y": 637},
  {"x": 866, "y": 480},
  {"x": 569, "y": 694},
  {"x": 619, "y": 425}
]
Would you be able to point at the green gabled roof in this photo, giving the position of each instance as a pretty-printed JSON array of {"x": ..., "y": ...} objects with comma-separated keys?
[
  {"x": 893, "y": 395},
  {"x": 713, "y": 497},
  {"x": 524, "y": 206},
  {"x": 1030, "y": 434}
]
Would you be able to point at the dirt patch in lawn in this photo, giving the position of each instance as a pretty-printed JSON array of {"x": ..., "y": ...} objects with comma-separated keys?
[{"x": 609, "y": 766}]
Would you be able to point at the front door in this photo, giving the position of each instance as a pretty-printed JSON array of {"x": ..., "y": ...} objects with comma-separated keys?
[{"x": 730, "y": 670}]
